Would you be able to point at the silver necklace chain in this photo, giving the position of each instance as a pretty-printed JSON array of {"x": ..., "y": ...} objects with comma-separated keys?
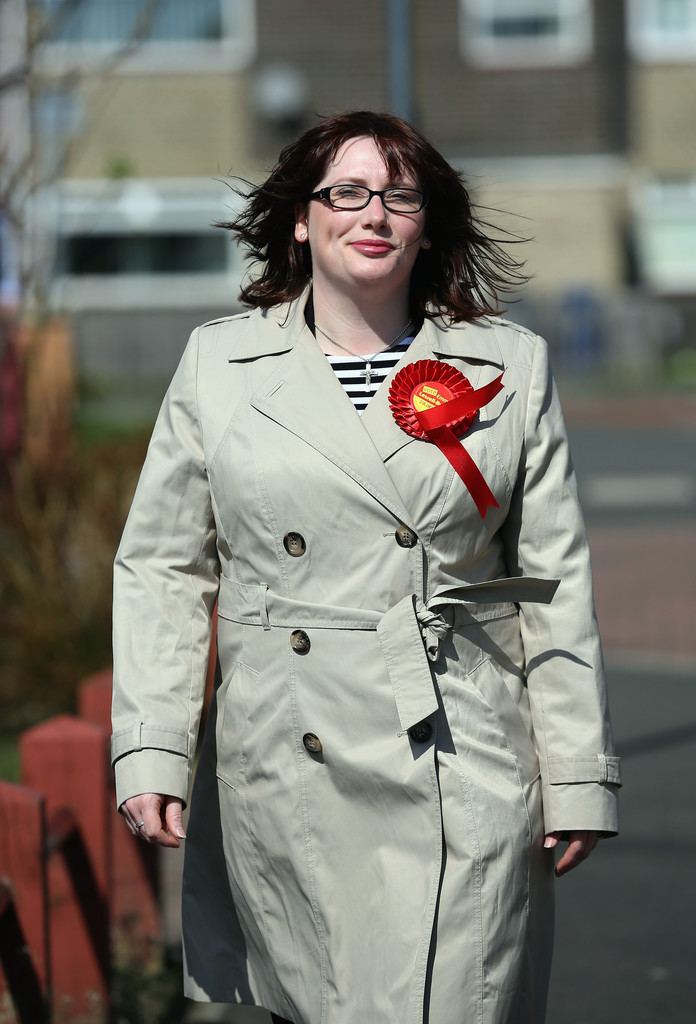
[{"x": 359, "y": 355}]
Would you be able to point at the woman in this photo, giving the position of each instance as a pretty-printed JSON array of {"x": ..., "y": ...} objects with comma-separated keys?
[{"x": 410, "y": 711}]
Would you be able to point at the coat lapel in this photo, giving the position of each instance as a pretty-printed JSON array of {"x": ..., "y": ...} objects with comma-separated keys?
[
  {"x": 468, "y": 346},
  {"x": 303, "y": 395}
]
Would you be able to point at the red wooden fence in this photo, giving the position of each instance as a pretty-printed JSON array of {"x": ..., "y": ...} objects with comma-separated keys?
[
  {"x": 71, "y": 875},
  {"x": 73, "y": 880},
  {"x": 23, "y": 904}
]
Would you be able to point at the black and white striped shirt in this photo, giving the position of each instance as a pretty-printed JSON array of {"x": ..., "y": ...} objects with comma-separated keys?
[{"x": 350, "y": 371}]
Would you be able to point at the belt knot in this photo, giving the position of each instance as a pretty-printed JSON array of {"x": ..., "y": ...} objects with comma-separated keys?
[{"x": 433, "y": 628}]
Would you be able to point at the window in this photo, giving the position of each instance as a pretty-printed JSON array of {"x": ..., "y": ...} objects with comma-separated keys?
[
  {"x": 165, "y": 253},
  {"x": 664, "y": 218},
  {"x": 523, "y": 33},
  {"x": 185, "y": 34},
  {"x": 143, "y": 243},
  {"x": 115, "y": 21},
  {"x": 662, "y": 30}
]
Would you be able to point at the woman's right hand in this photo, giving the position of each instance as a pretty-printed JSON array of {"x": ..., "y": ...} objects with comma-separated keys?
[{"x": 155, "y": 818}]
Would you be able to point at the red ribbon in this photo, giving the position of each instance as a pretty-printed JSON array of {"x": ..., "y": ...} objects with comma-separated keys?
[{"x": 437, "y": 424}]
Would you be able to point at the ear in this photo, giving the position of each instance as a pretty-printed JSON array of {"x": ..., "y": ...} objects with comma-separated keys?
[{"x": 301, "y": 225}]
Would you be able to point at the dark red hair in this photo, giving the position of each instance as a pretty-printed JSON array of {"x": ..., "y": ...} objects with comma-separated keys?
[{"x": 460, "y": 276}]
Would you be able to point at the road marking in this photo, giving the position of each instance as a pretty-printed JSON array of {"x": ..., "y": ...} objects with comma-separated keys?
[
  {"x": 652, "y": 663},
  {"x": 647, "y": 490}
]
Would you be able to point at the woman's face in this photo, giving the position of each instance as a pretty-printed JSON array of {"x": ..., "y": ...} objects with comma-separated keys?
[{"x": 360, "y": 249}]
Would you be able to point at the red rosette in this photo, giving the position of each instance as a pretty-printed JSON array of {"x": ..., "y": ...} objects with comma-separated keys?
[
  {"x": 423, "y": 385},
  {"x": 435, "y": 401}
]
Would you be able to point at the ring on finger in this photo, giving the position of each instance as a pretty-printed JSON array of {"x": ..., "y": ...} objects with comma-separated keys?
[{"x": 139, "y": 824}]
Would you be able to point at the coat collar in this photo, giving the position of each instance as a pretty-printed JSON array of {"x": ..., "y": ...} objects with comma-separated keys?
[
  {"x": 474, "y": 342},
  {"x": 303, "y": 395},
  {"x": 277, "y": 329}
]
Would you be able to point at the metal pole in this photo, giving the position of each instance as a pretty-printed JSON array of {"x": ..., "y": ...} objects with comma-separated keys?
[{"x": 399, "y": 54}]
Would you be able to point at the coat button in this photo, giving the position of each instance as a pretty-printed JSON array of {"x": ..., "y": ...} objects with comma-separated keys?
[
  {"x": 312, "y": 743},
  {"x": 299, "y": 641},
  {"x": 405, "y": 537},
  {"x": 294, "y": 544},
  {"x": 421, "y": 732}
]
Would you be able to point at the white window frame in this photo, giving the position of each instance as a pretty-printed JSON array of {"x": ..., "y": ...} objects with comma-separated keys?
[
  {"x": 153, "y": 206},
  {"x": 234, "y": 52},
  {"x": 652, "y": 44},
  {"x": 659, "y": 207},
  {"x": 572, "y": 45}
]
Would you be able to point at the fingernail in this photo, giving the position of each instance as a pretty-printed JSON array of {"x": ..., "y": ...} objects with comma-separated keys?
[
  {"x": 548, "y": 842},
  {"x": 181, "y": 834}
]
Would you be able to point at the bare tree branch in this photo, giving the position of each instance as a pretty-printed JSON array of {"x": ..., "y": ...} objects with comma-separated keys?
[
  {"x": 15, "y": 76},
  {"x": 44, "y": 28},
  {"x": 21, "y": 179}
]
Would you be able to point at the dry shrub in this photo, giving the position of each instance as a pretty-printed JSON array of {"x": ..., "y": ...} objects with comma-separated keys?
[
  {"x": 59, "y": 529},
  {"x": 49, "y": 393},
  {"x": 62, "y": 512}
]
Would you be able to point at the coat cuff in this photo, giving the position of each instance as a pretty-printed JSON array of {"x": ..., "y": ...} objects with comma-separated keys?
[
  {"x": 142, "y": 736},
  {"x": 581, "y": 793},
  {"x": 593, "y": 768},
  {"x": 581, "y": 805},
  {"x": 151, "y": 771}
]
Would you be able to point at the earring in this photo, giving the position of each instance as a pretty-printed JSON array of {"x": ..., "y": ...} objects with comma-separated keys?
[{"x": 426, "y": 244}]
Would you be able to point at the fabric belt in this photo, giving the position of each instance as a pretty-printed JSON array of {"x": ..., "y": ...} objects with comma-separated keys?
[{"x": 409, "y": 633}]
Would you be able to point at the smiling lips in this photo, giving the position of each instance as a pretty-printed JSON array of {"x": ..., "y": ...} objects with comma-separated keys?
[{"x": 372, "y": 246}]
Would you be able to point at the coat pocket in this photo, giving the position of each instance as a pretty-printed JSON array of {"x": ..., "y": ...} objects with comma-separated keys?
[
  {"x": 511, "y": 716},
  {"x": 499, "y": 677},
  {"x": 232, "y": 725}
]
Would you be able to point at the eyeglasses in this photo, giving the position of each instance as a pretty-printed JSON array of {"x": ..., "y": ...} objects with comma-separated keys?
[{"x": 357, "y": 197}]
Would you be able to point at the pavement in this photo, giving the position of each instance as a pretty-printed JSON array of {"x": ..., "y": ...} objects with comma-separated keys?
[
  {"x": 645, "y": 590},
  {"x": 635, "y": 411},
  {"x": 636, "y": 464},
  {"x": 625, "y": 946}
]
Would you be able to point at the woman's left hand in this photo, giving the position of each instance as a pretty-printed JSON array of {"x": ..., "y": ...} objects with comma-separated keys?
[{"x": 581, "y": 843}]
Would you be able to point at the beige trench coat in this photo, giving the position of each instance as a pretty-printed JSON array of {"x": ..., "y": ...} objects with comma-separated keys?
[{"x": 406, "y": 698}]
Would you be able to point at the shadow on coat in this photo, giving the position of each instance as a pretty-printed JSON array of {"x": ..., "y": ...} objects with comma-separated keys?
[{"x": 207, "y": 905}]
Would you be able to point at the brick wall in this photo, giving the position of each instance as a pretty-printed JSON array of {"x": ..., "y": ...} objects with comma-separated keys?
[
  {"x": 341, "y": 49},
  {"x": 519, "y": 111},
  {"x": 161, "y": 125},
  {"x": 664, "y": 118}
]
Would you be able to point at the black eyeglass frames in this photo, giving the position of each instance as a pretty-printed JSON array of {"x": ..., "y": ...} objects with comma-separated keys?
[{"x": 357, "y": 197}]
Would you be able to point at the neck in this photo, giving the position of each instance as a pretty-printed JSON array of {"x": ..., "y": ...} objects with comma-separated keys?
[{"x": 362, "y": 326}]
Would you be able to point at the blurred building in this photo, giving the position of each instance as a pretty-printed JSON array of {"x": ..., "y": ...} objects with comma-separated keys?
[{"x": 573, "y": 120}]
